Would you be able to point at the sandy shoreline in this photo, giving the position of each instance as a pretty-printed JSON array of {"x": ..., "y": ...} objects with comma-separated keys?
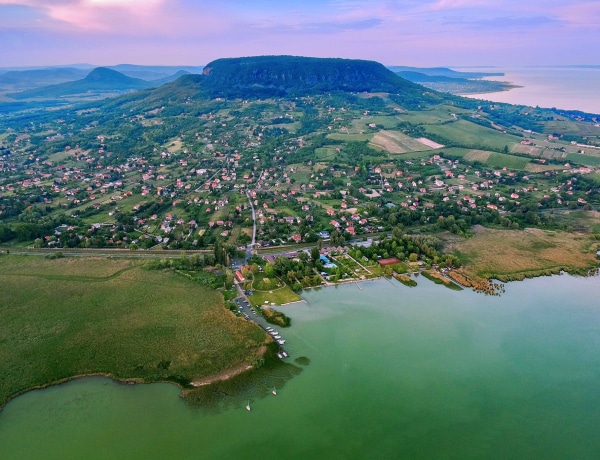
[{"x": 226, "y": 374}]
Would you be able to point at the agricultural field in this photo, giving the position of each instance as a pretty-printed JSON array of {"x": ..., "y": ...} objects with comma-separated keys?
[
  {"x": 396, "y": 142},
  {"x": 491, "y": 159},
  {"x": 429, "y": 117},
  {"x": 112, "y": 317},
  {"x": 592, "y": 159},
  {"x": 468, "y": 133}
]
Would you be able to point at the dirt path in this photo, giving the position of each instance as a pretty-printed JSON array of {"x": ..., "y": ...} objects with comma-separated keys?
[{"x": 227, "y": 374}]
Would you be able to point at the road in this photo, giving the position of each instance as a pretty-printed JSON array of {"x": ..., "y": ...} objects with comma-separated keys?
[
  {"x": 250, "y": 247},
  {"x": 122, "y": 253}
]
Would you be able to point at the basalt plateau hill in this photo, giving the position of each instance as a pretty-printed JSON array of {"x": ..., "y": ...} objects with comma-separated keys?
[{"x": 302, "y": 75}]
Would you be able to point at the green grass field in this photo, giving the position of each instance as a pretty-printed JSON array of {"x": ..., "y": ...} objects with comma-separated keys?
[
  {"x": 67, "y": 317},
  {"x": 588, "y": 160},
  {"x": 432, "y": 116},
  {"x": 493, "y": 159},
  {"x": 276, "y": 292},
  {"x": 465, "y": 132},
  {"x": 351, "y": 137},
  {"x": 325, "y": 153},
  {"x": 501, "y": 160},
  {"x": 278, "y": 296}
]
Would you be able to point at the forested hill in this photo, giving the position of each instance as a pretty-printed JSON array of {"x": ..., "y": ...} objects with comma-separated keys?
[
  {"x": 292, "y": 75},
  {"x": 99, "y": 79}
]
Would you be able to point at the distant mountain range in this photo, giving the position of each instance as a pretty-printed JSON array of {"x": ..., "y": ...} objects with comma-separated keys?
[
  {"x": 99, "y": 80},
  {"x": 258, "y": 76},
  {"x": 14, "y": 81},
  {"x": 443, "y": 72},
  {"x": 20, "y": 80}
]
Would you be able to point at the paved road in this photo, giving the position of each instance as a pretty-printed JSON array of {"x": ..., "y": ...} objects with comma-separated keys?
[{"x": 250, "y": 247}]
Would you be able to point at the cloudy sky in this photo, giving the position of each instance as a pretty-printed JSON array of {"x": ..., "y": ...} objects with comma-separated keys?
[{"x": 402, "y": 32}]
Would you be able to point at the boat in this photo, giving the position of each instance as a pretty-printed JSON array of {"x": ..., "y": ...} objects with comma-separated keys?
[
  {"x": 248, "y": 406},
  {"x": 280, "y": 356},
  {"x": 274, "y": 392},
  {"x": 285, "y": 355},
  {"x": 281, "y": 342},
  {"x": 276, "y": 336}
]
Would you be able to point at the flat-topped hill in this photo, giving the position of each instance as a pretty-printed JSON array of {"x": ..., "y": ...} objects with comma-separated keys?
[{"x": 294, "y": 75}]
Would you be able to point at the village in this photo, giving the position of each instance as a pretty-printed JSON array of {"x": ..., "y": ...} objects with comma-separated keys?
[{"x": 86, "y": 189}]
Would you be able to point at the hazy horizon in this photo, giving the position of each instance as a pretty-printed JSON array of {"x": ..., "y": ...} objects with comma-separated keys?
[
  {"x": 428, "y": 33},
  {"x": 483, "y": 68}
]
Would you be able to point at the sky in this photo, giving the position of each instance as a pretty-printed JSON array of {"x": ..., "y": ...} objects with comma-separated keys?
[{"x": 422, "y": 33}]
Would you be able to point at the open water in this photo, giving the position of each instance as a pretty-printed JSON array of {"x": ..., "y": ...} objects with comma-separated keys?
[
  {"x": 570, "y": 88},
  {"x": 394, "y": 373}
]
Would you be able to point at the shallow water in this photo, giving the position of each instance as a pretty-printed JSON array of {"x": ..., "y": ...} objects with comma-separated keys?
[{"x": 395, "y": 372}]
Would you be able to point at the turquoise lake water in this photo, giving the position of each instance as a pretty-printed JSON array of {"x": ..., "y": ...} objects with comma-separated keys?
[
  {"x": 561, "y": 87},
  {"x": 394, "y": 372}
]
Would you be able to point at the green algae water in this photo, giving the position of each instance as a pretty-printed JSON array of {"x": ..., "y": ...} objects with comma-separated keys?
[{"x": 393, "y": 372}]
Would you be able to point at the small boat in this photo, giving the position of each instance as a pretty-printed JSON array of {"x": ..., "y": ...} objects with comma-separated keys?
[
  {"x": 276, "y": 336},
  {"x": 274, "y": 392},
  {"x": 285, "y": 355},
  {"x": 281, "y": 342},
  {"x": 279, "y": 355},
  {"x": 248, "y": 406}
]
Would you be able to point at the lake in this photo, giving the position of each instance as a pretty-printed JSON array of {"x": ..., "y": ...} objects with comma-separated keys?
[
  {"x": 571, "y": 88},
  {"x": 394, "y": 372}
]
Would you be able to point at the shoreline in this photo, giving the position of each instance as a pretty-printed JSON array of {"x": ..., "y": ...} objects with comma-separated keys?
[
  {"x": 505, "y": 278},
  {"x": 123, "y": 381},
  {"x": 226, "y": 374},
  {"x": 504, "y": 89},
  {"x": 241, "y": 368},
  {"x": 221, "y": 376}
]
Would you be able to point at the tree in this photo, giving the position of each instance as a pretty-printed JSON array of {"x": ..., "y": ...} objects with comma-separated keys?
[
  {"x": 397, "y": 231},
  {"x": 269, "y": 270},
  {"x": 315, "y": 254}
]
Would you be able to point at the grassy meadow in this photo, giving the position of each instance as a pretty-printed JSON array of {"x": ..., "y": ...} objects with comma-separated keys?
[
  {"x": 471, "y": 133},
  {"x": 271, "y": 291},
  {"x": 516, "y": 254},
  {"x": 68, "y": 317}
]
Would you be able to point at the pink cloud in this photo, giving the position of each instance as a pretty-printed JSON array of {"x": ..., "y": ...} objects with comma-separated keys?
[
  {"x": 127, "y": 18},
  {"x": 580, "y": 14}
]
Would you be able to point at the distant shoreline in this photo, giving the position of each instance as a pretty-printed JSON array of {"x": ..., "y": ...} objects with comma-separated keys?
[{"x": 505, "y": 88}]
